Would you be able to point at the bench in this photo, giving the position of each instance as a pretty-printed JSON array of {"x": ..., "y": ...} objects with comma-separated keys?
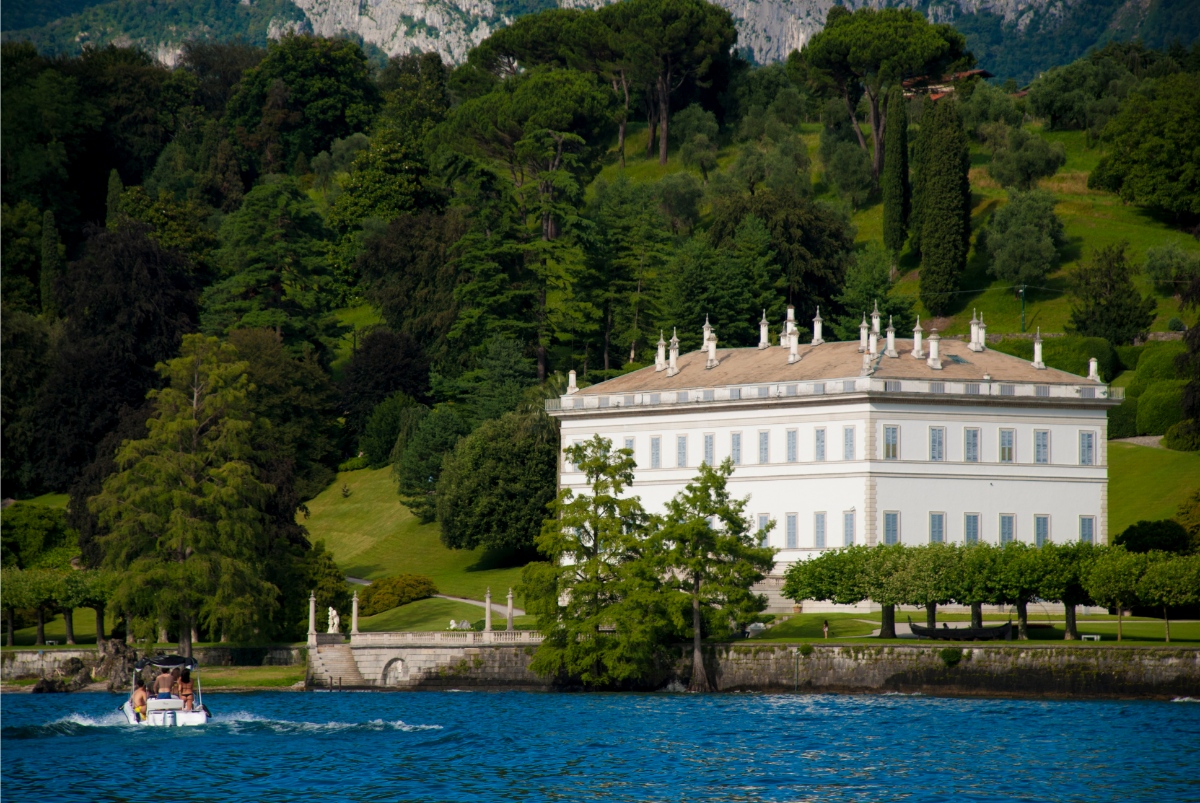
[{"x": 1091, "y": 637}]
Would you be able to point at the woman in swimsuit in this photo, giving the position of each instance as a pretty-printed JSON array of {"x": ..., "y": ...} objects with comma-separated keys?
[{"x": 187, "y": 690}]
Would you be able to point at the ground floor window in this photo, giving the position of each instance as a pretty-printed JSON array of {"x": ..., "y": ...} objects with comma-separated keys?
[
  {"x": 1087, "y": 529},
  {"x": 791, "y": 531}
]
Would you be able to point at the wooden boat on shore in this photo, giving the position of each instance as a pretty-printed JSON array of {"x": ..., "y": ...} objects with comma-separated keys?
[{"x": 944, "y": 633}]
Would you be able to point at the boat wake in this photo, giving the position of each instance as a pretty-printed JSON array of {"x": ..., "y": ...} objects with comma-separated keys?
[
  {"x": 242, "y": 721},
  {"x": 70, "y": 725},
  {"x": 1186, "y": 700}
]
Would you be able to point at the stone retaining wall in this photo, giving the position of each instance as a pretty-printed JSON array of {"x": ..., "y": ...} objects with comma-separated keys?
[
  {"x": 433, "y": 667},
  {"x": 44, "y": 663}
]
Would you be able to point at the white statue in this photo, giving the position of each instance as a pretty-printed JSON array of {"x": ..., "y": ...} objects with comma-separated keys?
[
  {"x": 453, "y": 625},
  {"x": 335, "y": 621}
]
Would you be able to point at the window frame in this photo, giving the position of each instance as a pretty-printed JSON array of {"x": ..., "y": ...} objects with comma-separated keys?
[
  {"x": 820, "y": 445},
  {"x": 681, "y": 451},
  {"x": 1090, "y": 435},
  {"x": 968, "y": 432},
  {"x": 1091, "y": 520},
  {"x": 894, "y": 430},
  {"x": 849, "y": 528},
  {"x": 735, "y": 448},
  {"x": 849, "y": 445},
  {"x": 791, "y": 531},
  {"x": 820, "y": 529},
  {"x": 968, "y": 539},
  {"x": 1012, "y": 535},
  {"x": 937, "y": 444},
  {"x": 1038, "y": 448},
  {"x": 1012, "y": 445},
  {"x": 710, "y": 448},
  {"x": 764, "y": 520},
  {"x": 656, "y": 451},
  {"x": 1041, "y": 539},
  {"x": 793, "y": 446},
  {"x": 764, "y": 447},
  {"x": 895, "y": 514}
]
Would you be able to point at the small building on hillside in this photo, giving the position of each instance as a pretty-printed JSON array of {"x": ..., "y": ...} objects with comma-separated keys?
[{"x": 879, "y": 441}]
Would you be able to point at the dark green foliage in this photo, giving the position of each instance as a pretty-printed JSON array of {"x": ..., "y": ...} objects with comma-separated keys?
[
  {"x": 36, "y": 536},
  {"x": 1171, "y": 268},
  {"x": 25, "y": 344},
  {"x": 986, "y": 104},
  {"x": 494, "y": 384},
  {"x": 1160, "y": 407},
  {"x": 383, "y": 427},
  {"x": 897, "y": 191},
  {"x": 1106, "y": 303},
  {"x": 387, "y": 179},
  {"x": 1023, "y": 238},
  {"x": 945, "y": 201},
  {"x": 1070, "y": 354},
  {"x": 22, "y": 237},
  {"x": 868, "y": 282},
  {"x": 1157, "y": 361},
  {"x": 1082, "y": 94},
  {"x": 419, "y": 466},
  {"x": 849, "y": 168},
  {"x": 383, "y": 363},
  {"x": 1165, "y": 535},
  {"x": 1023, "y": 158},
  {"x": 951, "y": 656},
  {"x": 113, "y": 203},
  {"x": 1183, "y": 437},
  {"x": 391, "y": 592},
  {"x": 680, "y": 195},
  {"x": 495, "y": 486},
  {"x": 1122, "y": 419}
]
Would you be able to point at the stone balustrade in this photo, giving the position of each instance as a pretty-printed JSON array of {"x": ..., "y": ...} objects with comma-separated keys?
[{"x": 446, "y": 638}]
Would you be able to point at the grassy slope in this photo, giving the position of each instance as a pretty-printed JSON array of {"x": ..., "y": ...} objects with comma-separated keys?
[
  {"x": 424, "y": 614},
  {"x": 372, "y": 535},
  {"x": 1147, "y": 483}
]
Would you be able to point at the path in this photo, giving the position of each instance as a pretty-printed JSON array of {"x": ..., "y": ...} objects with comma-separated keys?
[{"x": 1143, "y": 440}]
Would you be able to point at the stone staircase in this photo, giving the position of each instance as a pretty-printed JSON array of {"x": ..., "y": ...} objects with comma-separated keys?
[{"x": 333, "y": 666}]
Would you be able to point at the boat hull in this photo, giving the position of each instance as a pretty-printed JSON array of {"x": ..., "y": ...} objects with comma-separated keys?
[{"x": 166, "y": 719}]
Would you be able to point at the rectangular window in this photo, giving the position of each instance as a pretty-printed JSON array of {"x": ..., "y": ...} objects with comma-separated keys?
[
  {"x": 818, "y": 388},
  {"x": 1087, "y": 448},
  {"x": 656, "y": 452},
  {"x": 656, "y": 398},
  {"x": 1087, "y": 529},
  {"x": 819, "y": 449},
  {"x": 971, "y": 445},
  {"x": 891, "y": 443},
  {"x": 1042, "y": 390},
  {"x": 735, "y": 394},
  {"x": 819, "y": 531},
  {"x": 891, "y": 528},
  {"x": 791, "y": 531},
  {"x": 891, "y": 385},
  {"x": 971, "y": 528},
  {"x": 1008, "y": 390},
  {"x": 847, "y": 443},
  {"x": 1008, "y": 528},
  {"x": 847, "y": 386},
  {"x": 710, "y": 448},
  {"x": 937, "y": 444},
  {"x": 1087, "y": 393},
  {"x": 1041, "y": 447},
  {"x": 764, "y": 521},
  {"x": 1041, "y": 529},
  {"x": 937, "y": 528},
  {"x": 971, "y": 388},
  {"x": 681, "y": 396},
  {"x": 570, "y": 462},
  {"x": 681, "y": 451},
  {"x": 764, "y": 447},
  {"x": 629, "y": 444},
  {"x": 735, "y": 448},
  {"x": 937, "y": 387},
  {"x": 792, "y": 455},
  {"x": 848, "y": 528},
  {"x": 1008, "y": 452}
]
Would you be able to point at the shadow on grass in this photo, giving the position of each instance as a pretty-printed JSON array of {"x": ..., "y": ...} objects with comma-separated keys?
[{"x": 504, "y": 559}]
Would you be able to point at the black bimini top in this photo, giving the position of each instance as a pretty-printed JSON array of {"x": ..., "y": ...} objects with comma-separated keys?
[{"x": 167, "y": 662}]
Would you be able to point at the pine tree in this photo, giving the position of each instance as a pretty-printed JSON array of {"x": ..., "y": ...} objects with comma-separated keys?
[
  {"x": 113, "y": 203},
  {"x": 946, "y": 208},
  {"x": 896, "y": 189},
  {"x": 51, "y": 263}
]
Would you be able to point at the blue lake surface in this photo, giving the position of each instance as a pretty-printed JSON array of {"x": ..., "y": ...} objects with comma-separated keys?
[{"x": 494, "y": 746}]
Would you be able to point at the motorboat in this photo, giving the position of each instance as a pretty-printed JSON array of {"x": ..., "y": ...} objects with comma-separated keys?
[
  {"x": 169, "y": 713},
  {"x": 985, "y": 633}
]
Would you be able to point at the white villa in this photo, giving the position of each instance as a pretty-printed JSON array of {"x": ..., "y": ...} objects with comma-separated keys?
[{"x": 879, "y": 441}]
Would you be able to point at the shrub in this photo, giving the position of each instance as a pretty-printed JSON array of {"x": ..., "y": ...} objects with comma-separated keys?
[
  {"x": 1166, "y": 535},
  {"x": 1157, "y": 362},
  {"x": 1160, "y": 407},
  {"x": 1176, "y": 325},
  {"x": 392, "y": 592},
  {"x": 1069, "y": 354},
  {"x": 1122, "y": 419},
  {"x": 951, "y": 656},
  {"x": 806, "y": 649},
  {"x": 384, "y": 424},
  {"x": 354, "y": 464},
  {"x": 1128, "y": 356},
  {"x": 1183, "y": 437}
]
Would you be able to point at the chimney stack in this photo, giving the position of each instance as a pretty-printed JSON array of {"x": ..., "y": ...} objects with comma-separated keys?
[
  {"x": 660, "y": 361},
  {"x": 791, "y": 325},
  {"x": 934, "y": 360},
  {"x": 763, "y": 339},
  {"x": 917, "y": 353},
  {"x": 711, "y": 345},
  {"x": 817, "y": 339},
  {"x": 571, "y": 386},
  {"x": 1037, "y": 351},
  {"x": 873, "y": 343},
  {"x": 794, "y": 349},
  {"x": 982, "y": 346},
  {"x": 891, "y": 339},
  {"x": 863, "y": 328},
  {"x": 974, "y": 344},
  {"x": 673, "y": 363},
  {"x": 875, "y": 319},
  {"x": 1094, "y": 369}
]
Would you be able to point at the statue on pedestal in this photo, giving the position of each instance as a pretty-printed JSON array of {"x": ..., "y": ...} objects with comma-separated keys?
[{"x": 335, "y": 621}]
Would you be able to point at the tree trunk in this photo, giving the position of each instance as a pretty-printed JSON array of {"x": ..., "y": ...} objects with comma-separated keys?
[
  {"x": 195, "y": 633},
  {"x": 862, "y": 142},
  {"x": 976, "y": 614},
  {"x": 185, "y": 636},
  {"x": 41, "y": 627},
  {"x": 1167, "y": 624},
  {"x": 69, "y": 623},
  {"x": 1072, "y": 633},
  {"x": 99, "y": 627},
  {"x": 931, "y": 614},
  {"x": 163, "y": 636},
  {"x": 664, "y": 106},
  {"x": 1118, "y": 621},
  {"x": 607, "y": 336},
  {"x": 128, "y": 629},
  {"x": 877, "y": 128},
  {"x": 699, "y": 680},
  {"x": 8, "y": 620},
  {"x": 621, "y": 141},
  {"x": 887, "y": 622},
  {"x": 1023, "y": 619}
]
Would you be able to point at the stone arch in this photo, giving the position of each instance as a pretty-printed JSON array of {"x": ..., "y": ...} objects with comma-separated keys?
[{"x": 395, "y": 672}]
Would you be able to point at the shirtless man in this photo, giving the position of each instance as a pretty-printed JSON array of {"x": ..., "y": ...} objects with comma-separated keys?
[
  {"x": 138, "y": 698},
  {"x": 163, "y": 683}
]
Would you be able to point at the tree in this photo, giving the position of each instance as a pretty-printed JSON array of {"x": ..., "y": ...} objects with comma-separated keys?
[
  {"x": 420, "y": 464},
  {"x": 897, "y": 192},
  {"x": 383, "y": 427},
  {"x": 598, "y": 600},
  {"x": 1171, "y": 582},
  {"x": 1106, "y": 303},
  {"x": 495, "y": 486},
  {"x": 700, "y": 152},
  {"x": 1152, "y": 152},
  {"x": 184, "y": 514},
  {"x": 25, "y": 344},
  {"x": 1112, "y": 580},
  {"x": 36, "y": 536},
  {"x": 387, "y": 179},
  {"x": 849, "y": 168},
  {"x": 70, "y": 592},
  {"x": 868, "y": 286},
  {"x": 1066, "y": 569},
  {"x": 876, "y": 50},
  {"x": 945, "y": 206},
  {"x": 1022, "y": 571},
  {"x": 987, "y": 104},
  {"x": 838, "y": 576},
  {"x": 14, "y": 595},
  {"x": 708, "y": 554},
  {"x": 978, "y": 579},
  {"x": 383, "y": 364},
  {"x": 933, "y": 577},
  {"x": 1164, "y": 535},
  {"x": 885, "y": 579},
  {"x": 680, "y": 196},
  {"x": 1171, "y": 268},
  {"x": 113, "y": 203},
  {"x": 1024, "y": 158},
  {"x": 52, "y": 264},
  {"x": 1023, "y": 238}
]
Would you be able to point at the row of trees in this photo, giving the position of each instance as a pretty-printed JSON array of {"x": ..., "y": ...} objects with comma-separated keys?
[
  {"x": 53, "y": 591},
  {"x": 1014, "y": 574}
]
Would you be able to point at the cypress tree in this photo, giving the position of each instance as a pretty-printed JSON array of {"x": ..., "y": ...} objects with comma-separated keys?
[
  {"x": 51, "y": 263},
  {"x": 113, "y": 203},
  {"x": 925, "y": 129},
  {"x": 896, "y": 189},
  {"x": 945, "y": 208}
]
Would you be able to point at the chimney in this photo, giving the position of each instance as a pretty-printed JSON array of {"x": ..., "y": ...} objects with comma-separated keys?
[
  {"x": 794, "y": 349},
  {"x": 660, "y": 361},
  {"x": 873, "y": 343},
  {"x": 791, "y": 324},
  {"x": 707, "y": 332},
  {"x": 673, "y": 364},
  {"x": 862, "y": 334},
  {"x": 1037, "y": 351},
  {"x": 917, "y": 332},
  {"x": 891, "y": 339},
  {"x": 1094, "y": 369},
  {"x": 875, "y": 319},
  {"x": 763, "y": 339},
  {"x": 817, "y": 339},
  {"x": 982, "y": 346},
  {"x": 571, "y": 386},
  {"x": 934, "y": 360},
  {"x": 711, "y": 345},
  {"x": 974, "y": 344}
]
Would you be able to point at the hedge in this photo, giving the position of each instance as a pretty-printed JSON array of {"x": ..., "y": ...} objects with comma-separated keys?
[
  {"x": 1156, "y": 364},
  {"x": 1183, "y": 437},
  {"x": 1160, "y": 407},
  {"x": 392, "y": 592},
  {"x": 1129, "y": 355},
  {"x": 1070, "y": 354},
  {"x": 1122, "y": 419}
]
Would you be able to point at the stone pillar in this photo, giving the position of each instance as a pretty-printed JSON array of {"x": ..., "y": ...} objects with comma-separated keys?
[
  {"x": 312, "y": 619},
  {"x": 354, "y": 615},
  {"x": 487, "y": 611},
  {"x": 510, "y": 611}
]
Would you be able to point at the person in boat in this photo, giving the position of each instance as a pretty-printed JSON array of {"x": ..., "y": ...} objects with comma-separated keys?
[
  {"x": 163, "y": 684},
  {"x": 175, "y": 673},
  {"x": 138, "y": 699},
  {"x": 187, "y": 689}
]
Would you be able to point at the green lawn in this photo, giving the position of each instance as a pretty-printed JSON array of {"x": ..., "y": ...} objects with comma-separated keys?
[
  {"x": 1147, "y": 483},
  {"x": 435, "y": 614},
  {"x": 372, "y": 535},
  {"x": 56, "y": 629},
  {"x": 808, "y": 626},
  {"x": 267, "y": 677}
]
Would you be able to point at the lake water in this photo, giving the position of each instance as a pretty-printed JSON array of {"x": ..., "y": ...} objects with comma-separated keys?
[{"x": 480, "y": 746}]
